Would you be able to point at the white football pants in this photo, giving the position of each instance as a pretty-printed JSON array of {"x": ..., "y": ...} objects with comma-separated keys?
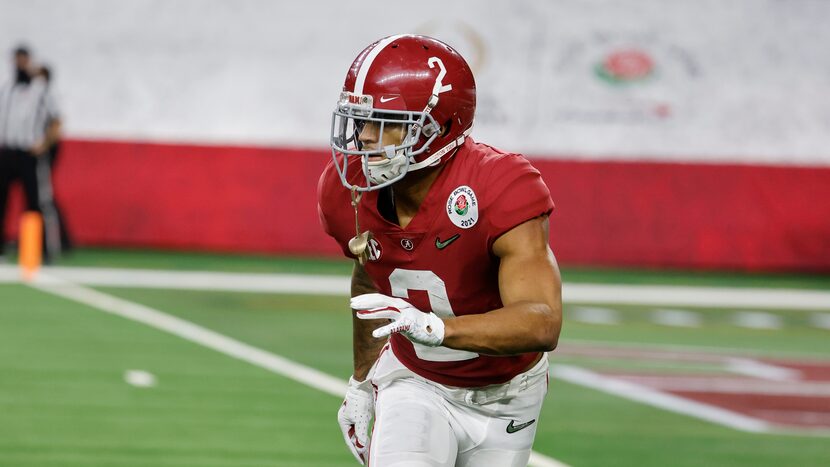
[{"x": 419, "y": 423}]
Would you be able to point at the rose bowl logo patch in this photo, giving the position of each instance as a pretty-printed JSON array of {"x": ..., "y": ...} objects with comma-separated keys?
[{"x": 462, "y": 207}]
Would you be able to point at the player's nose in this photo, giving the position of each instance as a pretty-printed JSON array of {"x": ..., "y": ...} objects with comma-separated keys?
[{"x": 369, "y": 134}]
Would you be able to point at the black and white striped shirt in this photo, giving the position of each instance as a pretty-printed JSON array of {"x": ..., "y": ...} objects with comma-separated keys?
[{"x": 25, "y": 110}]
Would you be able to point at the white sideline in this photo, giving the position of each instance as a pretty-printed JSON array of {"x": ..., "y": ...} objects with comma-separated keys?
[
  {"x": 655, "y": 398},
  {"x": 755, "y": 298},
  {"x": 213, "y": 340},
  {"x": 728, "y": 297},
  {"x": 196, "y": 280}
]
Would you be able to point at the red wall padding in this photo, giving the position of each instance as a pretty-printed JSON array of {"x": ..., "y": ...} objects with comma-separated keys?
[
  {"x": 691, "y": 215},
  {"x": 195, "y": 197},
  {"x": 263, "y": 200}
]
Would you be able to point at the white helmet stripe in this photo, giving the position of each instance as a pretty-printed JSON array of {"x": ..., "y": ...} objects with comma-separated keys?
[{"x": 367, "y": 63}]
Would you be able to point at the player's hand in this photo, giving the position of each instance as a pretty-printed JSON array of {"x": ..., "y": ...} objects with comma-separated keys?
[
  {"x": 354, "y": 417},
  {"x": 416, "y": 325},
  {"x": 38, "y": 148}
]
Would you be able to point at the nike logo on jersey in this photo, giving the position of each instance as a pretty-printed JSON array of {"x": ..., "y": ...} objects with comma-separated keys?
[
  {"x": 441, "y": 245},
  {"x": 384, "y": 99},
  {"x": 512, "y": 428}
]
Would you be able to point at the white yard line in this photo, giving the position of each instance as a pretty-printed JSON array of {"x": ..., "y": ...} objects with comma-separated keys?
[
  {"x": 677, "y": 318},
  {"x": 700, "y": 350},
  {"x": 213, "y": 340},
  {"x": 663, "y": 295},
  {"x": 757, "y": 320},
  {"x": 757, "y": 369},
  {"x": 730, "y": 385},
  {"x": 739, "y": 365},
  {"x": 820, "y": 320},
  {"x": 191, "y": 332},
  {"x": 655, "y": 398},
  {"x": 594, "y": 315}
]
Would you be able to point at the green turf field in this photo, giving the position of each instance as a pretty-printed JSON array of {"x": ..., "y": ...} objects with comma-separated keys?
[{"x": 64, "y": 400}]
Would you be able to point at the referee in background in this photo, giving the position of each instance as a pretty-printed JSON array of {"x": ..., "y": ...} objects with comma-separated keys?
[{"x": 29, "y": 126}]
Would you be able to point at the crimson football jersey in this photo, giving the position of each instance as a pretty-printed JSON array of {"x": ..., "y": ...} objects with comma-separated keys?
[{"x": 442, "y": 261}]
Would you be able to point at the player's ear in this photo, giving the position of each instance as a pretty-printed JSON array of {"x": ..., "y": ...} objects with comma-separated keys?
[
  {"x": 445, "y": 128},
  {"x": 442, "y": 130}
]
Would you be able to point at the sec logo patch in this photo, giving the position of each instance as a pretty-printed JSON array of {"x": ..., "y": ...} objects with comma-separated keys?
[
  {"x": 462, "y": 207},
  {"x": 375, "y": 250}
]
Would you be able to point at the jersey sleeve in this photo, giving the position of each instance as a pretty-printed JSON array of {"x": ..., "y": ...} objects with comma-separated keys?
[
  {"x": 516, "y": 193},
  {"x": 333, "y": 208}
]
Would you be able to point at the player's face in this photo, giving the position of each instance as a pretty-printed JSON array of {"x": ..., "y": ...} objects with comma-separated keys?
[
  {"x": 371, "y": 138},
  {"x": 22, "y": 61}
]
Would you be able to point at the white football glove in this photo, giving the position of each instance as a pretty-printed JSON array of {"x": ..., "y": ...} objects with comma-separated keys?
[
  {"x": 354, "y": 417},
  {"x": 416, "y": 325}
]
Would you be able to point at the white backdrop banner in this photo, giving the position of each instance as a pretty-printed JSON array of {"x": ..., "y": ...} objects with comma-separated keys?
[{"x": 739, "y": 81}]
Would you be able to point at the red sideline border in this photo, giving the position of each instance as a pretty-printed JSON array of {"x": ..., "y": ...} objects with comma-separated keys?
[{"x": 247, "y": 199}]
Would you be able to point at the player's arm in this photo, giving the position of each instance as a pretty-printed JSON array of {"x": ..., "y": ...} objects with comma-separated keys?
[
  {"x": 358, "y": 408},
  {"x": 51, "y": 136},
  {"x": 531, "y": 292},
  {"x": 365, "y": 347},
  {"x": 53, "y": 131}
]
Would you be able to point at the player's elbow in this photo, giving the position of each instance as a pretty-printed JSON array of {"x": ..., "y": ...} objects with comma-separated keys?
[{"x": 550, "y": 328}]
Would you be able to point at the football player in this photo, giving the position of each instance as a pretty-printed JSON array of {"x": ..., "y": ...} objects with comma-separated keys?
[{"x": 455, "y": 292}]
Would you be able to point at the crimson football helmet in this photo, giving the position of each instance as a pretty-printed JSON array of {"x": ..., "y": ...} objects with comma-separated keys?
[{"x": 416, "y": 82}]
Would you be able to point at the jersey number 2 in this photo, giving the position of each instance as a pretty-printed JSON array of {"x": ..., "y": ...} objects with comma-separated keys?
[{"x": 404, "y": 280}]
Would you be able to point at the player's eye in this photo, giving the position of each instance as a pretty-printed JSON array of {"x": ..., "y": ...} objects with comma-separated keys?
[
  {"x": 388, "y": 116},
  {"x": 359, "y": 125}
]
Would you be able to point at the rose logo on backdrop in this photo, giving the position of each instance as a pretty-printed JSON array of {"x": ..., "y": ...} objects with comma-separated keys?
[
  {"x": 462, "y": 207},
  {"x": 634, "y": 79},
  {"x": 624, "y": 66}
]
